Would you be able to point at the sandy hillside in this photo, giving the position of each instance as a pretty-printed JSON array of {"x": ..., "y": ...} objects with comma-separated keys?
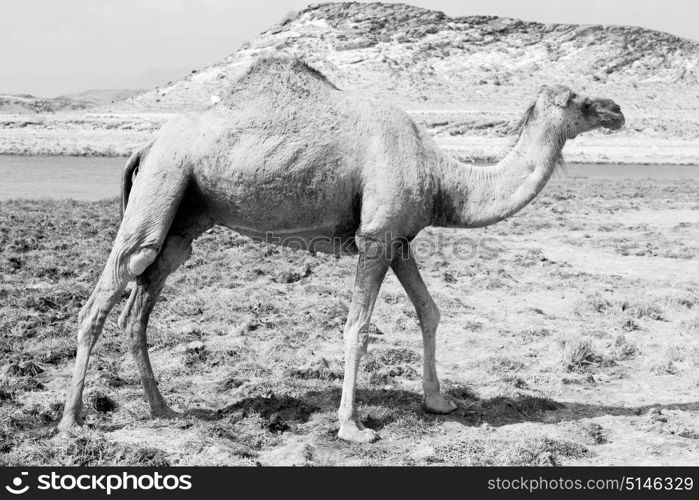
[
  {"x": 25, "y": 104},
  {"x": 465, "y": 79}
]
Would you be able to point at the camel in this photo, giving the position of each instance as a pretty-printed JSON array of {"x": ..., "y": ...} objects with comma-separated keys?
[{"x": 286, "y": 155}]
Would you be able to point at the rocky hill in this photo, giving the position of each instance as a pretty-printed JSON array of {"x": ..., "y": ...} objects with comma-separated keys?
[
  {"x": 417, "y": 55},
  {"x": 466, "y": 79}
]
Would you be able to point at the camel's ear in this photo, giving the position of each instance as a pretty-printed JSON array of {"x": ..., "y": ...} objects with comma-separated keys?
[{"x": 563, "y": 98}]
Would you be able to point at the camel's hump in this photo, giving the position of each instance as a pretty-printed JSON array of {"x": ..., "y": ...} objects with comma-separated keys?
[{"x": 281, "y": 70}]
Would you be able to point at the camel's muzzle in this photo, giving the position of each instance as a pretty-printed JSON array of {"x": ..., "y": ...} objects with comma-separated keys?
[{"x": 609, "y": 113}]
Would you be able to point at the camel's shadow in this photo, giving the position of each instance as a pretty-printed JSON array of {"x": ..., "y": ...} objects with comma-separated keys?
[{"x": 381, "y": 407}]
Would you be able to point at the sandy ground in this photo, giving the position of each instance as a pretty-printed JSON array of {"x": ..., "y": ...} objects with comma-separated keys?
[{"x": 569, "y": 335}]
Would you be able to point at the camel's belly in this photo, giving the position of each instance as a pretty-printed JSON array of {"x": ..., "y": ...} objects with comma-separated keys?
[
  {"x": 326, "y": 239},
  {"x": 303, "y": 224},
  {"x": 297, "y": 219},
  {"x": 285, "y": 192}
]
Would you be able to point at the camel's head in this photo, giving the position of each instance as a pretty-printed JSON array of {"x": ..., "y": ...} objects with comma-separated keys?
[{"x": 576, "y": 113}]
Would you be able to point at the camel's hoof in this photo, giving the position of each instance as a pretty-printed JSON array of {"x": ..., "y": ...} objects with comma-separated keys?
[
  {"x": 69, "y": 427},
  {"x": 165, "y": 413},
  {"x": 438, "y": 404},
  {"x": 352, "y": 432}
]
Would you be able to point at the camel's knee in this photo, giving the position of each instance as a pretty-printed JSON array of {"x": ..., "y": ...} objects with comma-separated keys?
[
  {"x": 359, "y": 342},
  {"x": 430, "y": 317},
  {"x": 140, "y": 260},
  {"x": 90, "y": 319}
]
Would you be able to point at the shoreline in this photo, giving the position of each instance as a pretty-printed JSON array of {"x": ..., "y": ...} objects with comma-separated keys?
[
  {"x": 484, "y": 161},
  {"x": 119, "y": 134}
]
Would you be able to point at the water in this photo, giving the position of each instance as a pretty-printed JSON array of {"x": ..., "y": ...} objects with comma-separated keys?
[
  {"x": 96, "y": 178},
  {"x": 76, "y": 177},
  {"x": 592, "y": 171}
]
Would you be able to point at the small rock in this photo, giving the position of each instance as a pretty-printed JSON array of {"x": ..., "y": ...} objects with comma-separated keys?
[
  {"x": 225, "y": 453},
  {"x": 307, "y": 270},
  {"x": 374, "y": 330},
  {"x": 247, "y": 326},
  {"x": 193, "y": 347},
  {"x": 230, "y": 383},
  {"x": 656, "y": 415},
  {"x": 190, "y": 329},
  {"x": 288, "y": 276},
  {"x": 318, "y": 368},
  {"x": 452, "y": 427},
  {"x": 242, "y": 451},
  {"x": 546, "y": 459},
  {"x": 423, "y": 453},
  {"x": 294, "y": 454}
]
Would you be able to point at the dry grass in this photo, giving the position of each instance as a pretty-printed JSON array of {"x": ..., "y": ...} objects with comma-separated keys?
[
  {"x": 90, "y": 449},
  {"x": 670, "y": 361},
  {"x": 689, "y": 326},
  {"x": 553, "y": 347},
  {"x": 578, "y": 353}
]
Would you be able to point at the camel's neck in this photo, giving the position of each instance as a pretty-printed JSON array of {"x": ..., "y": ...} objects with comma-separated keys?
[{"x": 472, "y": 196}]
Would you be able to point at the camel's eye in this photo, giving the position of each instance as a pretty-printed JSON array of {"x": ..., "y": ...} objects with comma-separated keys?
[{"x": 587, "y": 105}]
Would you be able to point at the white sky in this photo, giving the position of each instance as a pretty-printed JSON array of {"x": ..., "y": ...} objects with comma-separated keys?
[{"x": 53, "y": 47}]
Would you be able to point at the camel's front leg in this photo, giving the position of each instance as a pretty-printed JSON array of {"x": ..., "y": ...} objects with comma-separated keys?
[
  {"x": 371, "y": 270},
  {"x": 408, "y": 274}
]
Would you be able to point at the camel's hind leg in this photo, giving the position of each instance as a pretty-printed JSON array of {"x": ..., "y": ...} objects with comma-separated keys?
[
  {"x": 120, "y": 267},
  {"x": 176, "y": 250},
  {"x": 141, "y": 234}
]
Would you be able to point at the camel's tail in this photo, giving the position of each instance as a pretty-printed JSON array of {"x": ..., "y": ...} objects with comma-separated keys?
[
  {"x": 130, "y": 171},
  {"x": 127, "y": 178}
]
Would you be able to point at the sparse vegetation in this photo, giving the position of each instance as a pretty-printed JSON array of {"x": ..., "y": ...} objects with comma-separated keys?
[
  {"x": 689, "y": 326},
  {"x": 668, "y": 363},
  {"x": 89, "y": 449},
  {"x": 480, "y": 452},
  {"x": 255, "y": 361},
  {"x": 624, "y": 348},
  {"x": 643, "y": 310},
  {"x": 578, "y": 353}
]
